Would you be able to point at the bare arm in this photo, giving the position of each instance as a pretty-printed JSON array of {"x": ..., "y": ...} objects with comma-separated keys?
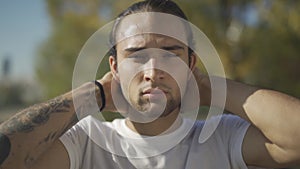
[
  {"x": 56, "y": 157},
  {"x": 275, "y": 119},
  {"x": 277, "y": 116},
  {"x": 34, "y": 130}
]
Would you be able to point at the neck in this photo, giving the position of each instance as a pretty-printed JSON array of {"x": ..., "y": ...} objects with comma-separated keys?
[{"x": 160, "y": 126}]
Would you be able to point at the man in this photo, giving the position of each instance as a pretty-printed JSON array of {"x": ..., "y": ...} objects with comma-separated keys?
[{"x": 264, "y": 131}]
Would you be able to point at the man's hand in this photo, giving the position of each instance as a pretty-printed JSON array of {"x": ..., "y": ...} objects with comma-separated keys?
[
  {"x": 106, "y": 82},
  {"x": 115, "y": 101},
  {"x": 203, "y": 87}
]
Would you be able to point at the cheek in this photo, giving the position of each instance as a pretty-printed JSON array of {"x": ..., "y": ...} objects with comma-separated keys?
[
  {"x": 178, "y": 88},
  {"x": 134, "y": 86},
  {"x": 179, "y": 75},
  {"x": 129, "y": 78},
  {"x": 125, "y": 73}
]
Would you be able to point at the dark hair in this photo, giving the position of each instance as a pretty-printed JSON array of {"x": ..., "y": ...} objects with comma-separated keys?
[{"x": 163, "y": 6}]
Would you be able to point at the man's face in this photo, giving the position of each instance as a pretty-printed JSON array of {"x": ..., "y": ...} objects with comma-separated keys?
[{"x": 153, "y": 71}]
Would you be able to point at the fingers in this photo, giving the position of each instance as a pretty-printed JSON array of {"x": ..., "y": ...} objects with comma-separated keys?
[
  {"x": 197, "y": 72},
  {"x": 120, "y": 103},
  {"x": 106, "y": 84},
  {"x": 115, "y": 101},
  {"x": 108, "y": 76},
  {"x": 204, "y": 87},
  {"x": 191, "y": 98}
]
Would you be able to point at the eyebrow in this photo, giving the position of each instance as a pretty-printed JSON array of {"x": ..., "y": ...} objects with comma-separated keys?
[
  {"x": 174, "y": 47},
  {"x": 134, "y": 49}
]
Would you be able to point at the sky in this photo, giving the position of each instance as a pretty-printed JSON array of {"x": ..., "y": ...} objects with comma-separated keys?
[{"x": 23, "y": 26}]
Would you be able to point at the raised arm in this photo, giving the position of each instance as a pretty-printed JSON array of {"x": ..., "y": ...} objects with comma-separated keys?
[
  {"x": 32, "y": 131},
  {"x": 273, "y": 138},
  {"x": 25, "y": 137}
]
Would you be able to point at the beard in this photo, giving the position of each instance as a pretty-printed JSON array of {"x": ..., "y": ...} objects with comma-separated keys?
[
  {"x": 156, "y": 108},
  {"x": 146, "y": 108}
]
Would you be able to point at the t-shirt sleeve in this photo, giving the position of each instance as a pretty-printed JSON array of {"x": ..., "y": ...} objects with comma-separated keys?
[
  {"x": 234, "y": 129},
  {"x": 73, "y": 140}
]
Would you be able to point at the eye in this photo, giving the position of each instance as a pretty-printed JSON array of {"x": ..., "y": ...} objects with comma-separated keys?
[
  {"x": 139, "y": 58},
  {"x": 170, "y": 55}
]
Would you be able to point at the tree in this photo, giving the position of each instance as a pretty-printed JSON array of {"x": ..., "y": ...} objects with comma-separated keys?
[
  {"x": 263, "y": 53},
  {"x": 73, "y": 23}
]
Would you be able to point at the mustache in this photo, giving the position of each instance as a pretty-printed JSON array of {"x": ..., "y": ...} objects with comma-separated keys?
[{"x": 160, "y": 86}]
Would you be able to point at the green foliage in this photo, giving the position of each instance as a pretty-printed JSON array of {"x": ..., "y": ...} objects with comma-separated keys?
[
  {"x": 57, "y": 55},
  {"x": 270, "y": 51},
  {"x": 265, "y": 54}
]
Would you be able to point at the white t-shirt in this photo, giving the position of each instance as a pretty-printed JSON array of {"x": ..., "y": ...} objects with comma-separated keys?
[{"x": 92, "y": 144}]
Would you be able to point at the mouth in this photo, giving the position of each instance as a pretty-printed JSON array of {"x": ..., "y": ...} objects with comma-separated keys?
[{"x": 154, "y": 93}]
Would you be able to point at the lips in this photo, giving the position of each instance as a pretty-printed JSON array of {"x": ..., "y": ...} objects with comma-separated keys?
[
  {"x": 154, "y": 91},
  {"x": 155, "y": 94}
]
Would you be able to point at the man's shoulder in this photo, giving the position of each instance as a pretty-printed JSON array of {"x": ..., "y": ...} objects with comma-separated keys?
[
  {"x": 218, "y": 126},
  {"x": 91, "y": 122},
  {"x": 225, "y": 119}
]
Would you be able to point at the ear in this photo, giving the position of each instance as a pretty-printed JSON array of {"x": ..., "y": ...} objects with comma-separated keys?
[
  {"x": 193, "y": 60},
  {"x": 114, "y": 68}
]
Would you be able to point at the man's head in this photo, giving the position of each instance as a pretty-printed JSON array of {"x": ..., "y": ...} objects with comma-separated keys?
[
  {"x": 163, "y": 6},
  {"x": 151, "y": 57}
]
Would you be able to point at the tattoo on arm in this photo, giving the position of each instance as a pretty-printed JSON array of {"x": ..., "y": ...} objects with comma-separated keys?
[
  {"x": 35, "y": 116},
  {"x": 27, "y": 120}
]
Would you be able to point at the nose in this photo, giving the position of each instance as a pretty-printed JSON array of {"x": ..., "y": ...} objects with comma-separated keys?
[{"x": 151, "y": 72}]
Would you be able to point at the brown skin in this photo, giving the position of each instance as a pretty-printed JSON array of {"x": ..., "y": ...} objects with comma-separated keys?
[{"x": 153, "y": 78}]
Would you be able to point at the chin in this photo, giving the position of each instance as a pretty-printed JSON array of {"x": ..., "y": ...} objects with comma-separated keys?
[
  {"x": 146, "y": 113},
  {"x": 153, "y": 112}
]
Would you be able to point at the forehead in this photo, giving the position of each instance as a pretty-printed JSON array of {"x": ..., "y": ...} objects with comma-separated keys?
[
  {"x": 151, "y": 23},
  {"x": 148, "y": 41}
]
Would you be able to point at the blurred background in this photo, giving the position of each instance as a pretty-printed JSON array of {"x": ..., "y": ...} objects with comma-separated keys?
[{"x": 258, "y": 42}]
